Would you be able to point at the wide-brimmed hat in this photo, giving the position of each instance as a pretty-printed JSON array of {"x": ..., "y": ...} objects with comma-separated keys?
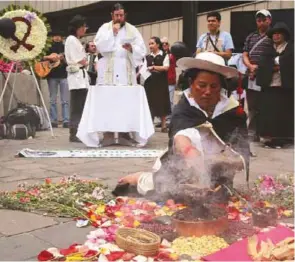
[
  {"x": 209, "y": 62},
  {"x": 279, "y": 27}
]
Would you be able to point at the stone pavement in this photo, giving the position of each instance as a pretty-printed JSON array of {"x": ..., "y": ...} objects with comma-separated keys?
[{"x": 24, "y": 235}]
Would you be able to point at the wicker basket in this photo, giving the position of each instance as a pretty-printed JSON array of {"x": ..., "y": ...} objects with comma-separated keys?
[{"x": 123, "y": 240}]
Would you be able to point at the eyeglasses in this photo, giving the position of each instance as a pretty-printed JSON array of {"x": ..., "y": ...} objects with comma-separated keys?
[{"x": 165, "y": 43}]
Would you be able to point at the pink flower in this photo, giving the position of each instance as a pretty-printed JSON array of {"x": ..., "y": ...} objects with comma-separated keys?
[
  {"x": 268, "y": 185},
  {"x": 24, "y": 199}
]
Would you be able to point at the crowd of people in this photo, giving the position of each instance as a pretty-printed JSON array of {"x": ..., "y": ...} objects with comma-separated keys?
[{"x": 117, "y": 57}]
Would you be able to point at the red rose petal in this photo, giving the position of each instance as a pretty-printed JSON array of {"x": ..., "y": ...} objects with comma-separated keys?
[
  {"x": 115, "y": 255},
  {"x": 91, "y": 253},
  {"x": 45, "y": 256},
  {"x": 72, "y": 249}
]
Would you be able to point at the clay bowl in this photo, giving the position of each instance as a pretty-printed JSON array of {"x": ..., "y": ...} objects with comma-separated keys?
[
  {"x": 200, "y": 228},
  {"x": 186, "y": 189}
]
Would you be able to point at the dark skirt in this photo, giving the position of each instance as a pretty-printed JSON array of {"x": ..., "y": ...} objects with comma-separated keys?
[
  {"x": 78, "y": 97},
  {"x": 276, "y": 119},
  {"x": 157, "y": 91}
]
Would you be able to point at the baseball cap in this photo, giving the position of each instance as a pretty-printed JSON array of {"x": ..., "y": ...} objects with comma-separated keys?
[{"x": 263, "y": 12}]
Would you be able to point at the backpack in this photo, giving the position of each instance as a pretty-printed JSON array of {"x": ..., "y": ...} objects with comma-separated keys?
[{"x": 23, "y": 118}]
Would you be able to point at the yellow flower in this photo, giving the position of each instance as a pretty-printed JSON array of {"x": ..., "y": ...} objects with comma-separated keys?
[
  {"x": 118, "y": 214},
  {"x": 136, "y": 223},
  {"x": 267, "y": 204},
  {"x": 76, "y": 257},
  {"x": 173, "y": 256},
  {"x": 131, "y": 201},
  {"x": 104, "y": 251},
  {"x": 288, "y": 213},
  {"x": 100, "y": 209}
]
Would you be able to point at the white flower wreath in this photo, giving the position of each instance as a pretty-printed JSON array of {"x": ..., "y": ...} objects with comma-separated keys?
[{"x": 30, "y": 37}]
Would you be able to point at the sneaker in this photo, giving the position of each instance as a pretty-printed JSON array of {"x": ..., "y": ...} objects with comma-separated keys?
[
  {"x": 54, "y": 125},
  {"x": 65, "y": 125}
]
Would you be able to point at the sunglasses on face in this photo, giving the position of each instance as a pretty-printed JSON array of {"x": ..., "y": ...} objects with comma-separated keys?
[{"x": 164, "y": 43}]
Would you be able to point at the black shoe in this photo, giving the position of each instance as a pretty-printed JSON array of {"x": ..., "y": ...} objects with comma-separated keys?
[
  {"x": 75, "y": 139},
  {"x": 276, "y": 144},
  {"x": 54, "y": 125},
  {"x": 65, "y": 125}
]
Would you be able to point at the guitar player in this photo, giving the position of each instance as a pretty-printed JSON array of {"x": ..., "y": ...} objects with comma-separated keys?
[{"x": 57, "y": 80}]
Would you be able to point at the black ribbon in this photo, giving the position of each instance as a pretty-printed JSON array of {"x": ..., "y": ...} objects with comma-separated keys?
[{"x": 26, "y": 35}]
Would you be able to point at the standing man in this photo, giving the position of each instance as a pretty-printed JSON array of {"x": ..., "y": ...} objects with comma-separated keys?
[
  {"x": 57, "y": 78},
  {"x": 113, "y": 107},
  {"x": 171, "y": 72},
  {"x": 255, "y": 45},
  {"x": 216, "y": 41},
  {"x": 90, "y": 49},
  {"x": 122, "y": 49}
]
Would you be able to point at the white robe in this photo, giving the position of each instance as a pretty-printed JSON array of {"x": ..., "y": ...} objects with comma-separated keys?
[{"x": 115, "y": 58}]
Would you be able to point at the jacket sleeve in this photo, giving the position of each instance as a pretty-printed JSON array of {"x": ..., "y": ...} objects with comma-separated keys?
[
  {"x": 287, "y": 66},
  {"x": 265, "y": 68}
]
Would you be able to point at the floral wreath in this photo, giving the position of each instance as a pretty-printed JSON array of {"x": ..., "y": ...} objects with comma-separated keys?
[{"x": 30, "y": 41}]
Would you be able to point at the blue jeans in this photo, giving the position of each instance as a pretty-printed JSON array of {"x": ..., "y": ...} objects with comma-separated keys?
[
  {"x": 171, "y": 96},
  {"x": 53, "y": 84}
]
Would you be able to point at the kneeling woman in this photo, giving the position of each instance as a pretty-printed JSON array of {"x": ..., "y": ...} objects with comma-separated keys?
[{"x": 203, "y": 124}]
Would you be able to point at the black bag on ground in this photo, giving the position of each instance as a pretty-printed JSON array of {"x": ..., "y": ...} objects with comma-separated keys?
[
  {"x": 21, "y": 131},
  {"x": 22, "y": 122}
]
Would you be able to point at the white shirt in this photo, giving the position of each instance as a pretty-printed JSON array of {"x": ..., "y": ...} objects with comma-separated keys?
[{"x": 74, "y": 53}]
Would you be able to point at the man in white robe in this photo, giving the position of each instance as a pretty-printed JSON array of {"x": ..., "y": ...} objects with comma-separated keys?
[{"x": 122, "y": 49}]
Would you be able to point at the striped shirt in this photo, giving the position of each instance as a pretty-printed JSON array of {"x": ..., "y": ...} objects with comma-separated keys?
[{"x": 251, "y": 40}]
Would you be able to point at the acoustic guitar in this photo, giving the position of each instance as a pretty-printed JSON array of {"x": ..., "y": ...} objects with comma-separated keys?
[{"x": 43, "y": 68}]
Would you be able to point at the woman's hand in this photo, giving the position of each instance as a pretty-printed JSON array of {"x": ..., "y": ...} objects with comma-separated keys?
[
  {"x": 151, "y": 68},
  {"x": 131, "y": 179}
]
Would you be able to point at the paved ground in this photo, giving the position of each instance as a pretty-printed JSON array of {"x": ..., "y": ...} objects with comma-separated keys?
[{"x": 24, "y": 235}]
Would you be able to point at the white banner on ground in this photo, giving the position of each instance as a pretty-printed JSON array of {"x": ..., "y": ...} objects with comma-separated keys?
[{"x": 85, "y": 153}]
